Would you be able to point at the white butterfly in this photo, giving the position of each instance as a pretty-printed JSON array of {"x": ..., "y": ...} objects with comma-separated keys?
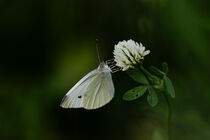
[{"x": 93, "y": 91}]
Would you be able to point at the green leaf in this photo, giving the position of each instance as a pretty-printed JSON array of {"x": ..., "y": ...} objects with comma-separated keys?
[
  {"x": 169, "y": 87},
  {"x": 152, "y": 98},
  {"x": 156, "y": 71},
  {"x": 165, "y": 67},
  {"x": 134, "y": 93},
  {"x": 138, "y": 76}
]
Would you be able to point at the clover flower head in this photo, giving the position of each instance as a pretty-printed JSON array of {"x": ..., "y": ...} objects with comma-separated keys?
[{"x": 129, "y": 53}]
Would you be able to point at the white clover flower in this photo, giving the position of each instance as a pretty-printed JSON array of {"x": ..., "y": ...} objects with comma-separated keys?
[{"x": 129, "y": 53}]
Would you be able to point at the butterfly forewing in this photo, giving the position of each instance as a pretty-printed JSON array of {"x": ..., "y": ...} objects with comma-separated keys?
[{"x": 74, "y": 97}]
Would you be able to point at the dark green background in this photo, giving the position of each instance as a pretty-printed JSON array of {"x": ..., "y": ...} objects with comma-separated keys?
[{"x": 46, "y": 46}]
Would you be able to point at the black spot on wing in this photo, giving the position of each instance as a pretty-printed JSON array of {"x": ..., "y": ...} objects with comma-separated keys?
[{"x": 79, "y": 96}]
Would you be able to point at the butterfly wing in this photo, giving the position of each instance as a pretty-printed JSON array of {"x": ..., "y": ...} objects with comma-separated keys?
[
  {"x": 99, "y": 92},
  {"x": 74, "y": 97}
]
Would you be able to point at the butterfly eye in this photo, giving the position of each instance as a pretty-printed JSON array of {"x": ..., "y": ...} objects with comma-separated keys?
[{"x": 79, "y": 97}]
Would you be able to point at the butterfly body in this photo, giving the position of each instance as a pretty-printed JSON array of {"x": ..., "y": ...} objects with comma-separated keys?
[{"x": 93, "y": 91}]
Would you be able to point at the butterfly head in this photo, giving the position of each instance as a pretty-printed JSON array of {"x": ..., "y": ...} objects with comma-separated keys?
[{"x": 103, "y": 67}]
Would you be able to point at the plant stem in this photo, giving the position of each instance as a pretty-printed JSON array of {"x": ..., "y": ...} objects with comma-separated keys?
[
  {"x": 169, "y": 115},
  {"x": 153, "y": 79}
]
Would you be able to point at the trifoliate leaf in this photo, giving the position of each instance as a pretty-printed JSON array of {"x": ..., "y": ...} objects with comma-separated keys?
[
  {"x": 134, "y": 93},
  {"x": 138, "y": 76},
  {"x": 152, "y": 98},
  {"x": 165, "y": 67},
  {"x": 156, "y": 71},
  {"x": 169, "y": 87}
]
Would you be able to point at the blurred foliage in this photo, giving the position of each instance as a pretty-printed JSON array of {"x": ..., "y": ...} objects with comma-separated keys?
[{"x": 47, "y": 46}]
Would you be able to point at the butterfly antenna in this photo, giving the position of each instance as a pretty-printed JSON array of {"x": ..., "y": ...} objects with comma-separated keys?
[{"x": 98, "y": 51}]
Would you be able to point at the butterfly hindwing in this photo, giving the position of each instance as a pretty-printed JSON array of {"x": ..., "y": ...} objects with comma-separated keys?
[{"x": 99, "y": 92}]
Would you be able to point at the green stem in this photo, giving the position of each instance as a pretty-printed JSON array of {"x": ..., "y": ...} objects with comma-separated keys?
[
  {"x": 169, "y": 115},
  {"x": 156, "y": 81},
  {"x": 153, "y": 79}
]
